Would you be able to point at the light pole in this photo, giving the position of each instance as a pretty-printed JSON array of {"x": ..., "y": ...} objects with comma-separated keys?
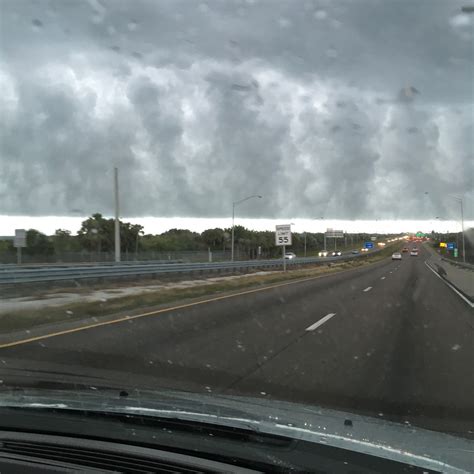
[
  {"x": 460, "y": 201},
  {"x": 117, "y": 213},
  {"x": 236, "y": 203}
]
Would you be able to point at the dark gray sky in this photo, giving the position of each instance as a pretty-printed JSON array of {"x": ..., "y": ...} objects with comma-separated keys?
[{"x": 347, "y": 109}]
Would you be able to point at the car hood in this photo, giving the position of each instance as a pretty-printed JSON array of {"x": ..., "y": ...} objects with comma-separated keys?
[{"x": 373, "y": 436}]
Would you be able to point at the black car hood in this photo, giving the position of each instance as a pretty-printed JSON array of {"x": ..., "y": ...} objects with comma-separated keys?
[{"x": 376, "y": 437}]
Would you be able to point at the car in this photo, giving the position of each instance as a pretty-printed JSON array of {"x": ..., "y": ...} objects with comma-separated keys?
[
  {"x": 415, "y": 249},
  {"x": 405, "y": 249},
  {"x": 396, "y": 256},
  {"x": 364, "y": 249},
  {"x": 290, "y": 256},
  {"x": 323, "y": 253},
  {"x": 336, "y": 253},
  {"x": 355, "y": 252},
  {"x": 414, "y": 253}
]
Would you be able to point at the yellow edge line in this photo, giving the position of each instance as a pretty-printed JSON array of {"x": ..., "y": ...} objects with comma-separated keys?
[{"x": 164, "y": 310}]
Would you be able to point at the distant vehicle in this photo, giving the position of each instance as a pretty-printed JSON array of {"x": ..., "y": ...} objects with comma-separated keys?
[
  {"x": 323, "y": 253},
  {"x": 336, "y": 253},
  {"x": 396, "y": 256},
  {"x": 414, "y": 253},
  {"x": 415, "y": 249},
  {"x": 364, "y": 249},
  {"x": 355, "y": 252},
  {"x": 405, "y": 249},
  {"x": 290, "y": 255}
]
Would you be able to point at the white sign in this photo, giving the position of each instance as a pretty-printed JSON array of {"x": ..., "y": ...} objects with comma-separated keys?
[
  {"x": 20, "y": 238},
  {"x": 334, "y": 234},
  {"x": 283, "y": 235}
]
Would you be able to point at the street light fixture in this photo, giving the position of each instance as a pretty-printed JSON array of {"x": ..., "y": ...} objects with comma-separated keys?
[{"x": 236, "y": 203}]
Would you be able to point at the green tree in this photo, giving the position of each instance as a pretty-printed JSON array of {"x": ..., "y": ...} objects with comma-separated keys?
[
  {"x": 213, "y": 238},
  {"x": 63, "y": 241},
  {"x": 38, "y": 243},
  {"x": 96, "y": 233},
  {"x": 6, "y": 246}
]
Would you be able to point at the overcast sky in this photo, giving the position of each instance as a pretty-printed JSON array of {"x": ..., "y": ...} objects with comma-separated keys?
[{"x": 342, "y": 109}]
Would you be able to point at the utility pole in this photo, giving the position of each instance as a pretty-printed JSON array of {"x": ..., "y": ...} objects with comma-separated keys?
[
  {"x": 235, "y": 203},
  {"x": 462, "y": 229},
  {"x": 460, "y": 201},
  {"x": 117, "y": 222},
  {"x": 232, "y": 238}
]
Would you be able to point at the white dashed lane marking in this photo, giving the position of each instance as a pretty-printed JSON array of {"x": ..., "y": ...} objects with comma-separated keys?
[
  {"x": 367, "y": 289},
  {"x": 320, "y": 322}
]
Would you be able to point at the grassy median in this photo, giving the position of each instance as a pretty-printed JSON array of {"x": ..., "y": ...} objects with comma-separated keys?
[{"x": 21, "y": 320}]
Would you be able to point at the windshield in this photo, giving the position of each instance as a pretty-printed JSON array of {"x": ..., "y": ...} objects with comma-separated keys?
[{"x": 207, "y": 197}]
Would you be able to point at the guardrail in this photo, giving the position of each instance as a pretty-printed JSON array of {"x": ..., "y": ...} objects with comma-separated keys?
[
  {"x": 469, "y": 266},
  {"x": 10, "y": 276}
]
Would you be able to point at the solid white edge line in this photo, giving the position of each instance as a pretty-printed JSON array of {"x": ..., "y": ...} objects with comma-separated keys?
[
  {"x": 450, "y": 286},
  {"x": 367, "y": 289},
  {"x": 320, "y": 322}
]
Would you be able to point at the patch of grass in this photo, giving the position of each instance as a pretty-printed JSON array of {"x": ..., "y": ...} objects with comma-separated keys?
[{"x": 19, "y": 320}]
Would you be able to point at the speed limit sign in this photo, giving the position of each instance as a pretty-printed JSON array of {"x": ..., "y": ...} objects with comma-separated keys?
[{"x": 283, "y": 235}]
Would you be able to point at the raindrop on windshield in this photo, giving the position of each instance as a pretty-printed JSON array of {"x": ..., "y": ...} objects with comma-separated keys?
[
  {"x": 37, "y": 24},
  {"x": 320, "y": 15},
  {"x": 132, "y": 25},
  {"x": 203, "y": 8}
]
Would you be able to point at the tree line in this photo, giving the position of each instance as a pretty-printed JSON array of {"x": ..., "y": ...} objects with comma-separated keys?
[{"x": 96, "y": 235}]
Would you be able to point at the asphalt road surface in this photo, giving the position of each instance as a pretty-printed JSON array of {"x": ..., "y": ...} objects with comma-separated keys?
[{"x": 390, "y": 339}]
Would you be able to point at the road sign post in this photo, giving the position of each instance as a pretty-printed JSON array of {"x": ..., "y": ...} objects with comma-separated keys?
[
  {"x": 19, "y": 241},
  {"x": 333, "y": 234},
  {"x": 282, "y": 239}
]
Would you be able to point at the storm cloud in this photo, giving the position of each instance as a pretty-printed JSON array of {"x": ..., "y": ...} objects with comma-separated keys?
[{"x": 348, "y": 110}]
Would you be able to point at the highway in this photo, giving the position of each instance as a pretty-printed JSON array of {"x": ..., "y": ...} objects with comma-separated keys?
[{"x": 389, "y": 339}]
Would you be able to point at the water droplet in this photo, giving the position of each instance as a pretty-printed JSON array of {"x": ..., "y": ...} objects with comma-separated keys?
[
  {"x": 97, "y": 18},
  {"x": 284, "y": 23},
  {"x": 320, "y": 15},
  {"x": 37, "y": 24},
  {"x": 132, "y": 25},
  {"x": 203, "y": 8}
]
